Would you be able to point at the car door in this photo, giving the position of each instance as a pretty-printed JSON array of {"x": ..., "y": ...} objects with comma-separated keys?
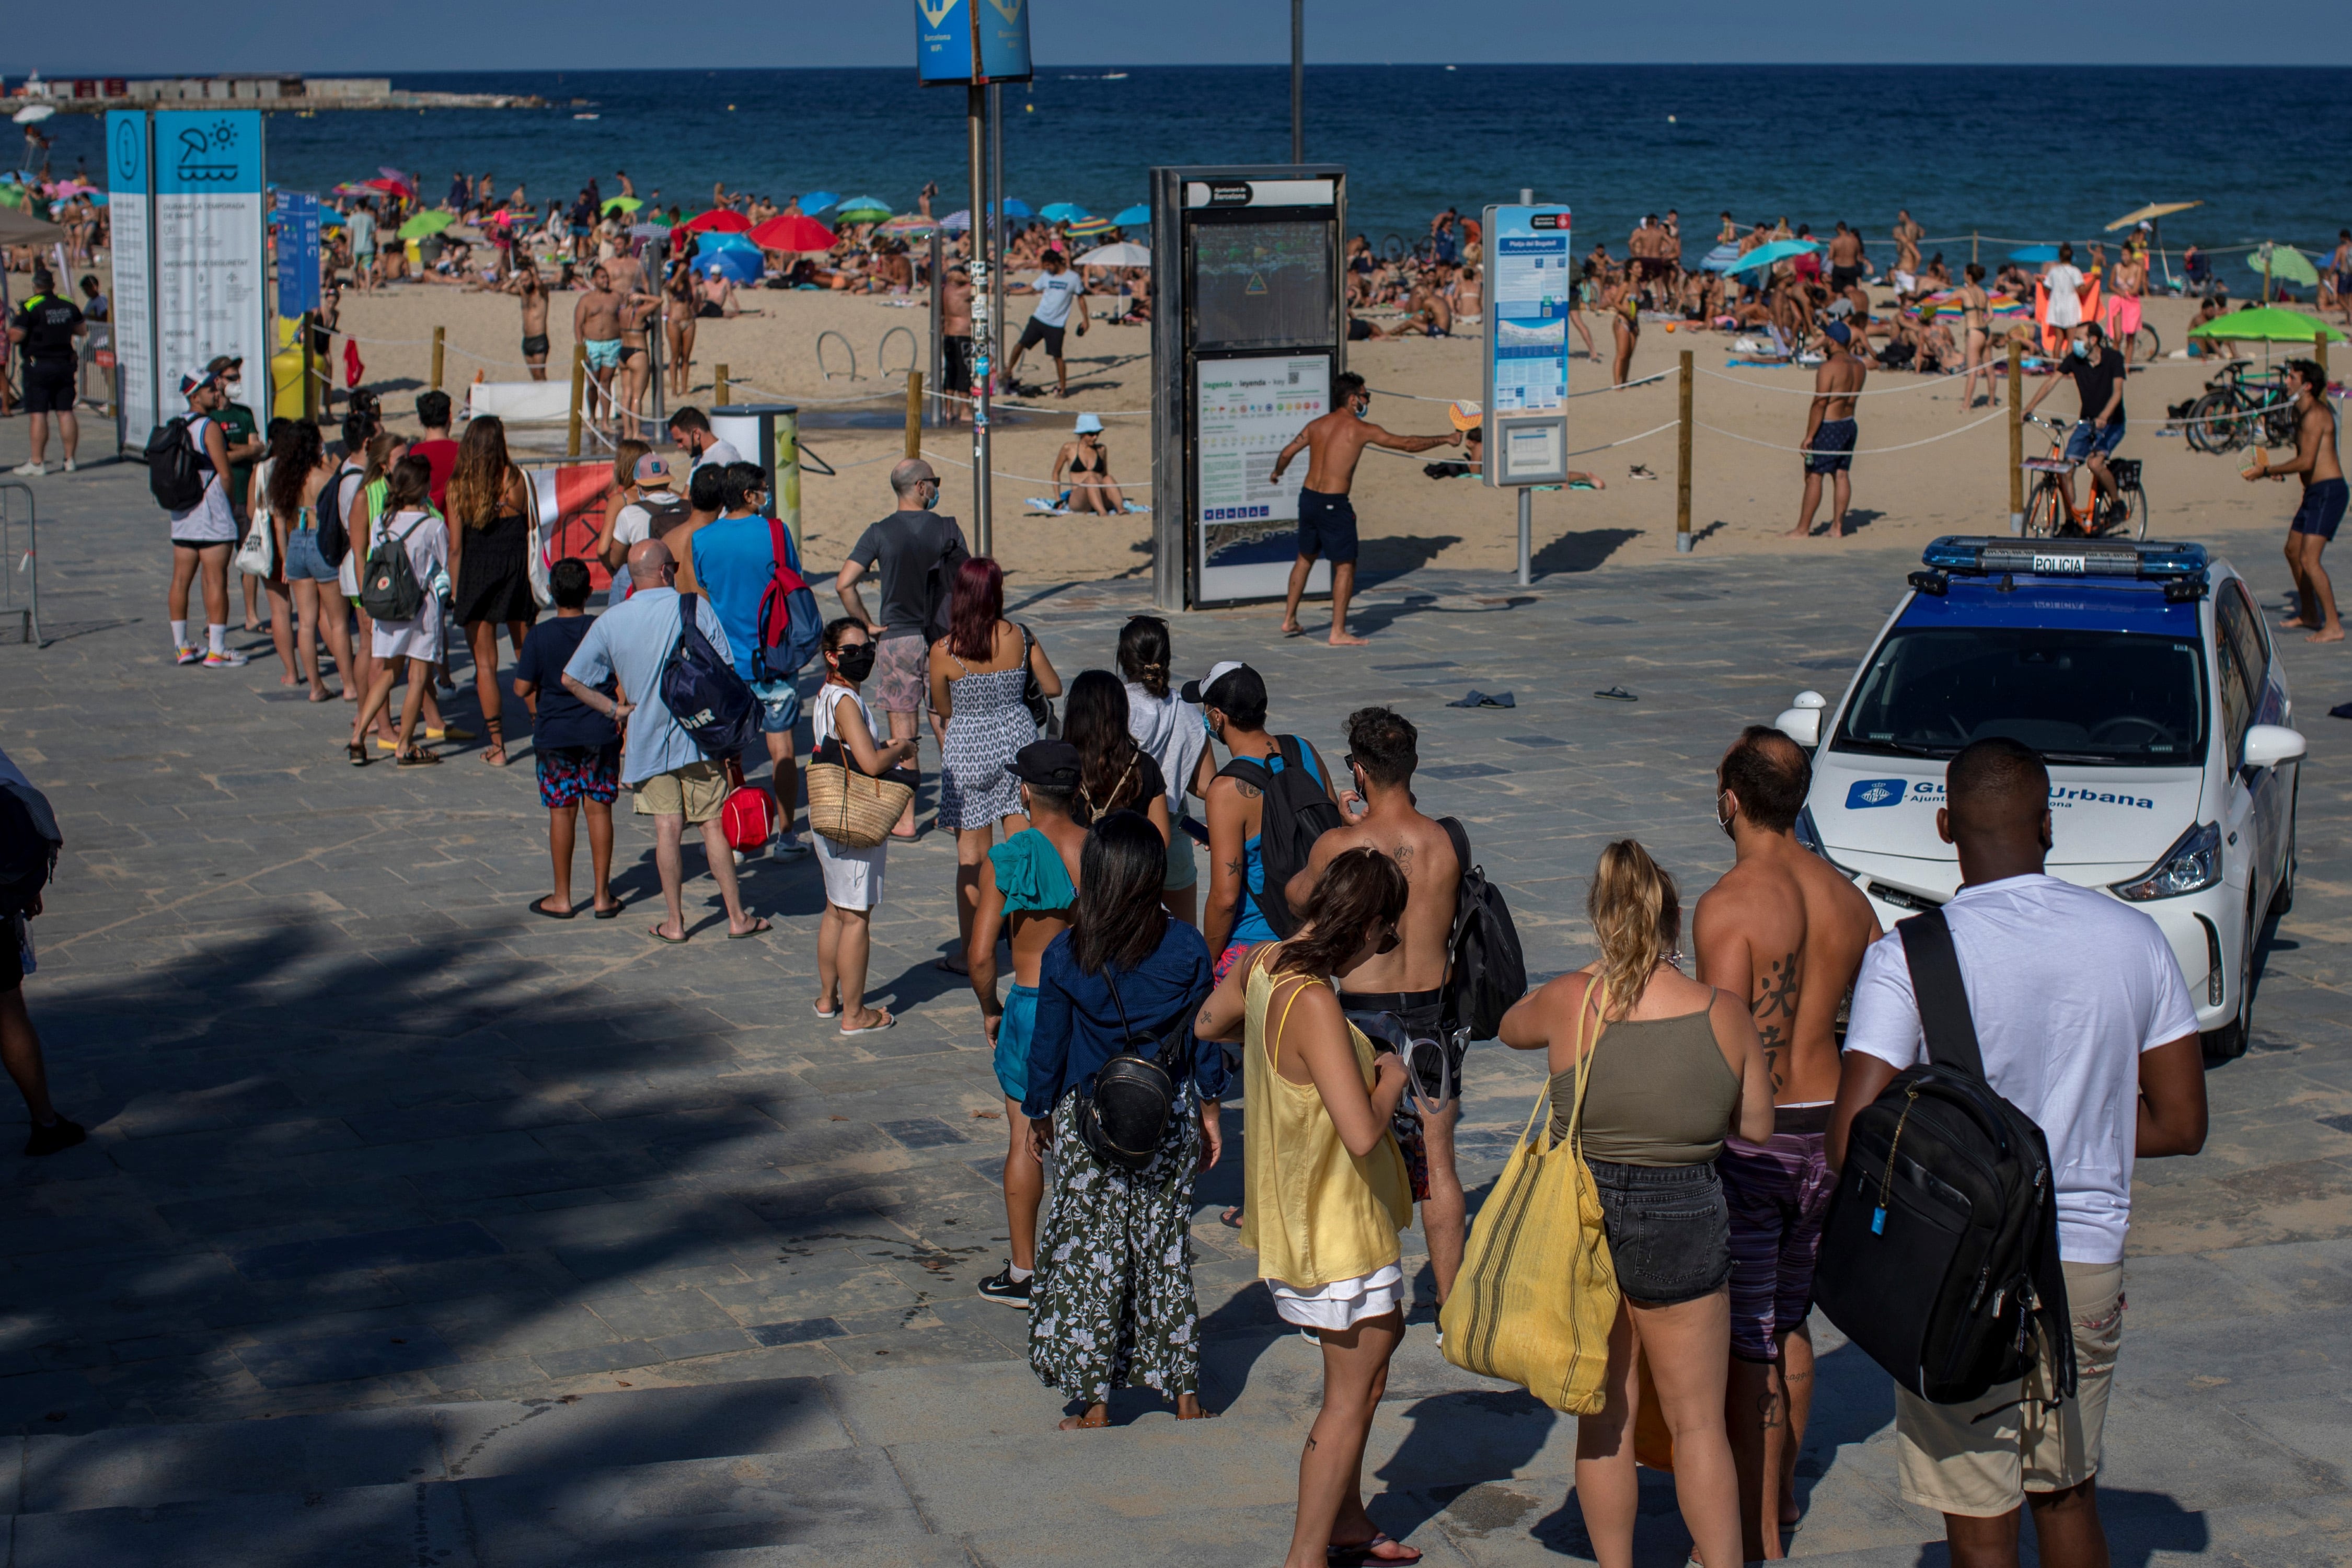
[{"x": 2246, "y": 844}]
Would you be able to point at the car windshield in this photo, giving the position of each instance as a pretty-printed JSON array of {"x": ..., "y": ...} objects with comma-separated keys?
[{"x": 2120, "y": 697}]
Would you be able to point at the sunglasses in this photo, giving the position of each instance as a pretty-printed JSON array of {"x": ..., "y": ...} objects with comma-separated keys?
[{"x": 1389, "y": 941}]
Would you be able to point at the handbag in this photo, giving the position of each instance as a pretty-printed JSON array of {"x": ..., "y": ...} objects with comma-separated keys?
[
  {"x": 1136, "y": 1096},
  {"x": 1033, "y": 692},
  {"x": 258, "y": 556},
  {"x": 1538, "y": 1294},
  {"x": 856, "y": 810}
]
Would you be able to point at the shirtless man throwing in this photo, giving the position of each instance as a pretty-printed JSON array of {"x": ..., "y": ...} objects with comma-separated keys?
[
  {"x": 2323, "y": 496},
  {"x": 1399, "y": 997},
  {"x": 1784, "y": 930},
  {"x": 1326, "y": 518},
  {"x": 1829, "y": 432},
  {"x": 596, "y": 326},
  {"x": 527, "y": 287}
]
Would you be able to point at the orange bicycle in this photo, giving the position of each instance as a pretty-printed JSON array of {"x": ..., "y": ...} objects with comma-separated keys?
[{"x": 2049, "y": 514}]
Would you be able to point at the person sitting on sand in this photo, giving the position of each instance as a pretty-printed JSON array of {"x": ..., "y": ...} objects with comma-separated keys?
[
  {"x": 718, "y": 297},
  {"x": 1469, "y": 297},
  {"x": 1087, "y": 460}
]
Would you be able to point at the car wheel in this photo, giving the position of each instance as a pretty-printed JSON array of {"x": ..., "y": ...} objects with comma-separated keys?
[{"x": 2228, "y": 1042}]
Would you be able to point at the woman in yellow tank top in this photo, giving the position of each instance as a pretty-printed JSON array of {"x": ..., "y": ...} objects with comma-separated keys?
[{"x": 1324, "y": 1185}]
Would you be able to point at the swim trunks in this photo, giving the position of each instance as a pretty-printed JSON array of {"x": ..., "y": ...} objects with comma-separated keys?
[
  {"x": 535, "y": 345},
  {"x": 1778, "y": 1192},
  {"x": 1327, "y": 526},
  {"x": 604, "y": 354},
  {"x": 570, "y": 773},
  {"x": 1012, "y": 1035},
  {"x": 2322, "y": 508},
  {"x": 1845, "y": 277},
  {"x": 956, "y": 373},
  {"x": 1832, "y": 449},
  {"x": 1036, "y": 332}
]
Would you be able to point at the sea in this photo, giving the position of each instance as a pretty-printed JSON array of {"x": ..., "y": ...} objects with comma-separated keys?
[{"x": 2009, "y": 154}]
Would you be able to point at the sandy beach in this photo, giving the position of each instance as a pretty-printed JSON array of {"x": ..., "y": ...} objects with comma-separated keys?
[{"x": 1744, "y": 496}]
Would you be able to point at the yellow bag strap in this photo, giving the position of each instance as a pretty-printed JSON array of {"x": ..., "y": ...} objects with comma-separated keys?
[{"x": 1596, "y": 997}]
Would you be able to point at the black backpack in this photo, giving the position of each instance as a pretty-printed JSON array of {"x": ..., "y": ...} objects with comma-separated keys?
[
  {"x": 177, "y": 483},
  {"x": 389, "y": 590},
  {"x": 1939, "y": 1253},
  {"x": 1295, "y": 814},
  {"x": 1486, "y": 971},
  {"x": 29, "y": 844},
  {"x": 938, "y": 585},
  {"x": 334, "y": 537},
  {"x": 1136, "y": 1096},
  {"x": 699, "y": 687}
]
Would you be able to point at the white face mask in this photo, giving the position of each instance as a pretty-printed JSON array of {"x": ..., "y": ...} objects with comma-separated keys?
[{"x": 231, "y": 389}]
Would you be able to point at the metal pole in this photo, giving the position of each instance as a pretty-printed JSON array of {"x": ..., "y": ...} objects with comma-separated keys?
[
  {"x": 983, "y": 312},
  {"x": 2016, "y": 439},
  {"x": 1298, "y": 89},
  {"x": 1683, "y": 539},
  {"x": 1527, "y": 536},
  {"x": 939, "y": 324},
  {"x": 997, "y": 222}
]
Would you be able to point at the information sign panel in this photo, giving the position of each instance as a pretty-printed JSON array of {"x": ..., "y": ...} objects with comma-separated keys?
[
  {"x": 960, "y": 42},
  {"x": 212, "y": 244},
  {"x": 1530, "y": 284},
  {"x": 298, "y": 253},
  {"x": 1246, "y": 411},
  {"x": 129, "y": 212}
]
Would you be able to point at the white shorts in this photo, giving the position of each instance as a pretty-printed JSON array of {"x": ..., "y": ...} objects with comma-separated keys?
[
  {"x": 1343, "y": 1303},
  {"x": 853, "y": 878}
]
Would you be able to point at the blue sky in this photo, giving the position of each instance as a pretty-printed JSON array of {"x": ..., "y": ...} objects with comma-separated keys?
[{"x": 148, "y": 37}]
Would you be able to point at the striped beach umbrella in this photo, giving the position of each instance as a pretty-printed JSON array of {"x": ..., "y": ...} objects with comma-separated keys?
[{"x": 1089, "y": 227}]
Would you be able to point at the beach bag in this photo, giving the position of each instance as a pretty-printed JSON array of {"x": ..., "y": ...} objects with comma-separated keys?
[
  {"x": 1486, "y": 970},
  {"x": 389, "y": 590},
  {"x": 1136, "y": 1096},
  {"x": 1939, "y": 1252},
  {"x": 1295, "y": 814},
  {"x": 938, "y": 586},
  {"x": 173, "y": 475},
  {"x": 856, "y": 810},
  {"x": 1536, "y": 1294},
  {"x": 790, "y": 625},
  {"x": 1033, "y": 691},
  {"x": 258, "y": 556},
  {"x": 749, "y": 818},
  {"x": 704, "y": 695}
]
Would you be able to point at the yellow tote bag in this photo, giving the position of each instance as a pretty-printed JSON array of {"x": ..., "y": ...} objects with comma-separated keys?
[{"x": 1538, "y": 1294}]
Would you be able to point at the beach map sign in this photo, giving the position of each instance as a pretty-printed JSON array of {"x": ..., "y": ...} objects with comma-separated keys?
[
  {"x": 298, "y": 253},
  {"x": 129, "y": 207},
  {"x": 1530, "y": 280},
  {"x": 960, "y": 42},
  {"x": 212, "y": 244}
]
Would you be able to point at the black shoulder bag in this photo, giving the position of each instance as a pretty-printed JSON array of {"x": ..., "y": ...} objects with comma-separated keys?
[{"x": 1136, "y": 1096}]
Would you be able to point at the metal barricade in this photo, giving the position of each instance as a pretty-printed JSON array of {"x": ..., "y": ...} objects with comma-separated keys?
[
  {"x": 20, "y": 566},
  {"x": 846, "y": 347},
  {"x": 882, "y": 354}
]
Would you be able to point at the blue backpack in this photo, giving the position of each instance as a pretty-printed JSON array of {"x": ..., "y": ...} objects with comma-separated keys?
[
  {"x": 791, "y": 627},
  {"x": 699, "y": 687}
]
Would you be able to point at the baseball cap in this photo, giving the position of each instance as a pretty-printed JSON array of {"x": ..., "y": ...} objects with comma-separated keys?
[
  {"x": 1088, "y": 425},
  {"x": 194, "y": 379},
  {"x": 224, "y": 364},
  {"x": 652, "y": 471},
  {"x": 1841, "y": 332},
  {"x": 1232, "y": 681},
  {"x": 1049, "y": 764}
]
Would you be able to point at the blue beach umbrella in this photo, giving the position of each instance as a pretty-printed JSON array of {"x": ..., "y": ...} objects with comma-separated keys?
[
  {"x": 817, "y": 201},
  {"x": 2034, "y": 255},
  {"x": 1015, "y": 208},
  {"x": 1134, "y": 216},
  {"x": 1766, "y": 255},
  {"x": 1062, "y": 212},
  {"x": 737, "y": 266},
  {"x": 1719, "y": 260}
]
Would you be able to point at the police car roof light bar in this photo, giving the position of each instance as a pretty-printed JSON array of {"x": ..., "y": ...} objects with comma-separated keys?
[{"x": 2141, "y": 560}]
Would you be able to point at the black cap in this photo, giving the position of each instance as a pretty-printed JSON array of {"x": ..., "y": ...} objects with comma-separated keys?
[
  {"x": 1047, "y": 765},
  {"x": 1226, "y": 686}
]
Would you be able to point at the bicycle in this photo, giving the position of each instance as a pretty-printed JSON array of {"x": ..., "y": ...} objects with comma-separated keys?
[
  {"x": 2238, "y": 408},
  {"x": 2049, "y": 514}
]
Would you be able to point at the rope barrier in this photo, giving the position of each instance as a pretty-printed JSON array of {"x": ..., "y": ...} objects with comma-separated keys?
[
  {"x": 1026, "y": 479},
  {"x": 1801, "y": 392},
  {"x": 1588, "y": 391},
  {"x": 1862, "y": 452}
]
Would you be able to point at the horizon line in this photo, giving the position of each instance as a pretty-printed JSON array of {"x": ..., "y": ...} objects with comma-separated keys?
[{"x": 1044, "y": 66}]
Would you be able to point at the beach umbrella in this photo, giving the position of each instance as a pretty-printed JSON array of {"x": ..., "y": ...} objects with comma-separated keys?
[
  {"x": 648, "y": 231},
  {"x": 855, "y": 212},
  {"x": 1134, "y": 216},
  {"x": 1766, "y": 255},
  {"x": 348, "y": 189},
  {"x": 2267, "y": 324},
  {"x": 1719, "y": 260},
  {"x": 1126, "y": 253},
  {"x": 1015, "y": 208},
  {"x": 330, "y": 220},
  {"x": 33, "y": 113},
  {"x": 622, "y": 205},
  {"x": 817, "y": 201},
  {"x": 956, "y": 222},
  {"x": 792, "y": 231},
  {"x": 432, "y": 221},
  {"x": 718, "y": 220},
  {"x": 391, "y": 187},
  {"x": 913, "y": 223},
  {"x": 1087, "y": 228},
  {"x": 2150, "y": 213},
  {"x": 736, "y": 263},
  {"x": 710, "y": 244},
  {"x": 2034, "y": 255},
  {"x": 1062, "y": 212},
  {"x": 389, "y": 172},
  {"x": 2282, "y": 264}
]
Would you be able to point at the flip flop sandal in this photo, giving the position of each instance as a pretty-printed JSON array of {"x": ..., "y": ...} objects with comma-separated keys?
[
  {"x": 538, "y": 907},
  {"x": 654, "y": 933},
  {"x": 419, "y": 760},
  {"x": 761, "y": 928},
  {"x": 358, "y": 754},
  {"x": 822, "y": 1012},
  {"x": 1204, "y": 1414},
  {"x": 889, "y": 1021},
  {"x": 612, "y": 914},
  {"x": 1229, "y": 1218},
  {"x": 1617, "y": 694},
  {"x": 1361, "y": 1554}
]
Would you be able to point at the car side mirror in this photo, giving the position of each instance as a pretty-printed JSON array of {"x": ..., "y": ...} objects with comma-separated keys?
[
  {"x": 1802, "y": 722},
  {"x": 2268, "y": 745}
]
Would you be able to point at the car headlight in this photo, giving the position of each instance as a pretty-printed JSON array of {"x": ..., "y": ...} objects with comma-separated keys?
[
  {"x": 2190, "y": 865},
  {"x": 1808, "y": 834}
]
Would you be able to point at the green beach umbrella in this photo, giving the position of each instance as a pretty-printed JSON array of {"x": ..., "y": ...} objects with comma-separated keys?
[
  {"x": 622, "y": 205},
  {"x": 431, "y": 221},
  {"x": 2282, "y": 264},
  {"x": 2267, "y": 324},
  {"x": 861, "y": 211}
]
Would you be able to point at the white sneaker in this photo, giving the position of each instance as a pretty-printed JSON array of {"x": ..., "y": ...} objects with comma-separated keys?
[
  {"x": 227, "y": 659},
  {"x": 787, "y": 847},
  {"x": 31, "y": 471}
]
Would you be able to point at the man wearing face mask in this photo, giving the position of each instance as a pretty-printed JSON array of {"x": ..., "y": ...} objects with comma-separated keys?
[
  {"x": 243, "y": 433},
  {"x": 2097, "y": 373},
  {"x": 1784, "y": 930},
  {"x": 738, "y": 556},
  {"x": 1326, "y": 517},
  {"x": 906, "y": 544}
]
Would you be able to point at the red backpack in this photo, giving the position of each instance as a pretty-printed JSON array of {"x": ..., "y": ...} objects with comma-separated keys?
[{"x": 790, "y": 627}]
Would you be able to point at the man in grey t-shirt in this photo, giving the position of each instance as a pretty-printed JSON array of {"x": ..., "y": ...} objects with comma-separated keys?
[{"x": 904, "y": 546}]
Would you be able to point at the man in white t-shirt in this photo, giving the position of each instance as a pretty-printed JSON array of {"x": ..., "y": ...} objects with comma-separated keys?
[
  {"x": 652, "y": 503},
  {"x": 1058, "y": 289},
  {"x": 2062, "y": 283},
  {"x": 2085, "y": 1026},
  {"x": 690, "y": 428}
]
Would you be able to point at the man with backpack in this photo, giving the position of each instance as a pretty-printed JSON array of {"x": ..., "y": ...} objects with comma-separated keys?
[
  {"x": 187, "y": 471},
  {"x": 2104, "y": 1058},
  {"x": 747, "y": 564},
  {"x": 676, "y": 783},
  {"x": 1266, "y": 807},
  {"x": 653, "y": 508},
  {"x": 1399, "y": 997}
]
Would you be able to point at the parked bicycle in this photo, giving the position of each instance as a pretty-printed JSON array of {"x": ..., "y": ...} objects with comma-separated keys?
[
  {"x": 2049, "y": 514},
  {"x": 2239, "y": 406}
]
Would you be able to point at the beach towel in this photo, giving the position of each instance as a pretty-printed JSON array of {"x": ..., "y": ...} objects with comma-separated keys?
[{"x": 1048, "y": 506}]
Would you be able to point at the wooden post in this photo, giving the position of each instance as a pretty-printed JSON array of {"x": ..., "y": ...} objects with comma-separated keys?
[
  {"x": 914, "y": 413},
  {"x": 2319, "y": 355},
  {"x": 578, "y": 393},
  {"x": 439, "y": 337},
  {"x": 1683, "y": 540},
  {"x": 2016, "y": 439},
  {"x": 718, "y": 387}
]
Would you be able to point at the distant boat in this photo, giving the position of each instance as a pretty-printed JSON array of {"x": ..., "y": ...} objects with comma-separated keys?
[
  {"x": 1114, "y": 75},
  {"x": 584, "y": 117}
]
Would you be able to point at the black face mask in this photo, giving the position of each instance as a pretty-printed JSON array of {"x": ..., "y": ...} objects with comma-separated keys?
[{"x": 855, "y": 662}]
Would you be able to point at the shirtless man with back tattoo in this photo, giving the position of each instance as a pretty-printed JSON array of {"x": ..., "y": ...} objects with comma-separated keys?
[{"x": 1786, "y": 929}]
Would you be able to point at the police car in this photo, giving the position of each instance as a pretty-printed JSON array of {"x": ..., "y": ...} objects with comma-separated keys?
[{"x": 2143, "y": 674}]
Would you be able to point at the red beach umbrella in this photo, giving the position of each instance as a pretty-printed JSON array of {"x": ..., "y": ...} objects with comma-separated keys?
[
  {"x": 718, "y": 220},
  {"x": 792, "y": 231}
]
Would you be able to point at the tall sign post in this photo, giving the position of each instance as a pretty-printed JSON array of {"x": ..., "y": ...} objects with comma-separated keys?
[
  {"x": 212, "y": 242},
  {"x": 972, "y": 44},
  {"x": 298, "y": 283},
  {"x": 1248, "y": 331},
  {"x": 1530, "y": 279},
  {"x": 131, "y": 223}
]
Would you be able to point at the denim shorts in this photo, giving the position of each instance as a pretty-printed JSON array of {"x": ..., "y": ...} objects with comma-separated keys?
[
  {"x": 1669, "y": 1230},
  {"x": 303, "y": 561},
  {"x": 779, "y": 705},
  {"x": 2086, "y": 439}
]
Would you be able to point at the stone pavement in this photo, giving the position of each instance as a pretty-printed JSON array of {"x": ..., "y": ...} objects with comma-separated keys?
[{"x": 415, "y": 1229}]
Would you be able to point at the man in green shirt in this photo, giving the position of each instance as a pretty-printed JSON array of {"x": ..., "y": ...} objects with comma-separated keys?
[{"x": 243, "y": 432}]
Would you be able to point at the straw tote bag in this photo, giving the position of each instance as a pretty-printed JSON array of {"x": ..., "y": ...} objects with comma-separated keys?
[{"x": 1536, "y": 1294}]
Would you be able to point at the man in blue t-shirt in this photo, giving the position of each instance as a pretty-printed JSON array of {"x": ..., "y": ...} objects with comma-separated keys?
[
  {"x": 1058, "y": 289},
  {"x": 735, "y": 559},
  {"x": 578, "y": 750}
]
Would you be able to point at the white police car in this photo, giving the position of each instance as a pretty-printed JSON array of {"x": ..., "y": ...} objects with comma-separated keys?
[{"x": 2144, "y": 675}]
